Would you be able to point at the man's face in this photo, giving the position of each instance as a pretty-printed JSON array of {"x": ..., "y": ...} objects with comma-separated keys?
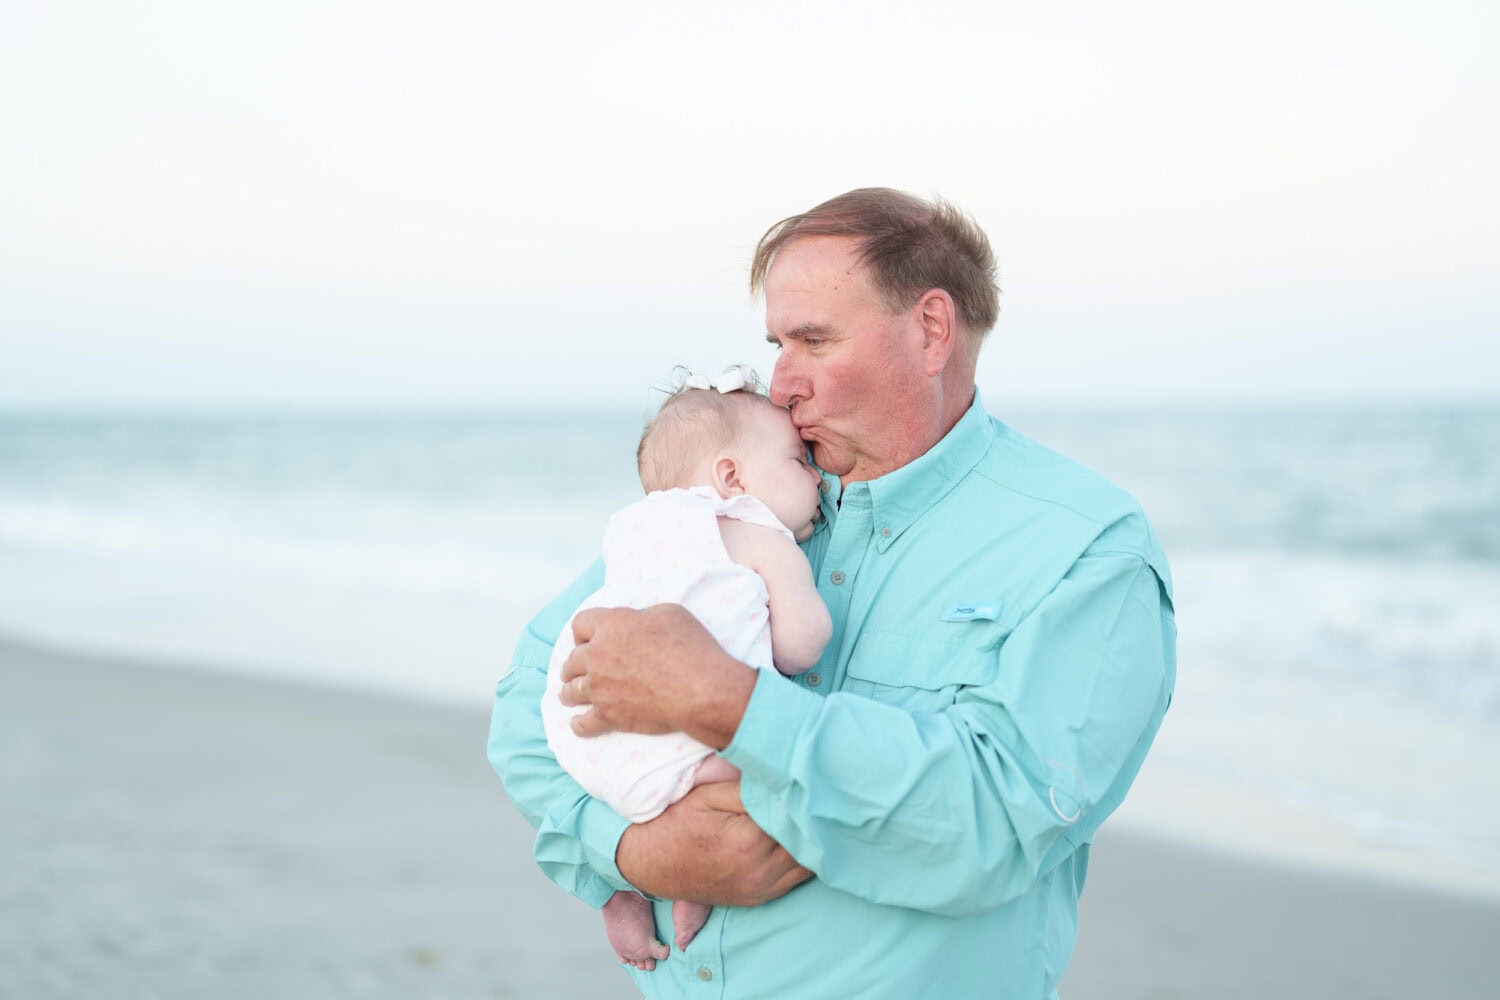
[{"x": 851, "y": 371}]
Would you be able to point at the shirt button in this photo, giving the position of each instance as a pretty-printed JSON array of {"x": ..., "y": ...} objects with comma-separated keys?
[
  {"x": 885, "y": 532},
  {"x": 823, "y": 486},
  {"x": 814, "y": 679},
  {"x": 836, "y": 577},
  {"x": 705, "y": 973}
]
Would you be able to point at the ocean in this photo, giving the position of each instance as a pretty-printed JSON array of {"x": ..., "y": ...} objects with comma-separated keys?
[{"x": 1337, "y": 572}]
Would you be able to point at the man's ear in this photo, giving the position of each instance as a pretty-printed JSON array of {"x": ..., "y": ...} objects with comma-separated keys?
[
  {"x": 939, "y": 322},
  {"x": 726, "y": 472}
]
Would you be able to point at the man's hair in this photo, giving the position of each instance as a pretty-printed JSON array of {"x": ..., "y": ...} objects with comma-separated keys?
[
  {"x": 908, "y": 245},
  {"x": 691, "y": 424}
]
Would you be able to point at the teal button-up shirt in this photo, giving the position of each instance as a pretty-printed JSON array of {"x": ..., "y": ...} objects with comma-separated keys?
[{"x": 1003, "y": 653}]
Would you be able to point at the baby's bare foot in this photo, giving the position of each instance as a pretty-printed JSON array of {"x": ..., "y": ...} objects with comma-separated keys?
[
  {"x": 687, "y": 920},
  {"x": 632, "y": 931}
]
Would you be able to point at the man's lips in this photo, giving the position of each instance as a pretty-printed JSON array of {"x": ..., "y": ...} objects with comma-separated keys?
[{"x": 806, "y": 428}]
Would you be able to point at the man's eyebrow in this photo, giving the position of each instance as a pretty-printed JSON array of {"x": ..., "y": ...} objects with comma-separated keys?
[{"x": 799, "y": 332}]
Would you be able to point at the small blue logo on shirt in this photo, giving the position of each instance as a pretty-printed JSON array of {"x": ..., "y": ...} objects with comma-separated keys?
[{"x": 969, "y": 612}]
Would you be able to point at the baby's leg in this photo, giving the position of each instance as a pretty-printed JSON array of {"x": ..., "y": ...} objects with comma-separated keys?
[
  {"x": 632, "y": 931},
  {"x": 688, "y": 918},
  {"x": 714, "y": 768}
]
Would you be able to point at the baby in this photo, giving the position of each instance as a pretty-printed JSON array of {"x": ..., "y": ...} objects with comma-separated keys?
[{"x": 729, "y": 494}]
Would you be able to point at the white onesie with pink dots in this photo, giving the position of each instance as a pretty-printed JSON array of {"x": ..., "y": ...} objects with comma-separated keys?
[{"x": 663, "y": 549}]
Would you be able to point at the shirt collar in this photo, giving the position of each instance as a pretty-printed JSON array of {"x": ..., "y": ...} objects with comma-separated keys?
[{"x": 902, "y": 496}]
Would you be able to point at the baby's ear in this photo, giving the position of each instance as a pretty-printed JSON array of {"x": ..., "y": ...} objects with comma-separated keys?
[{"x": 727, "y": 477}]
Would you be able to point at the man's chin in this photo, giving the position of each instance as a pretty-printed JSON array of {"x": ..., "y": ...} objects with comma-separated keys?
[{"x": 832, "y": 462}]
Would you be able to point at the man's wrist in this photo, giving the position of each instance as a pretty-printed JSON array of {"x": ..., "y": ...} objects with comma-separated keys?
[
  {"x": 626, "y": 857},
  {"x": 719, "y": 703}
]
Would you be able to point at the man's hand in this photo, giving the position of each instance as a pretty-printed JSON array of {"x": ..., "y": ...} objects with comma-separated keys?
[
  {"x": 705, "y": 848},
  {"x": 653, "y": 671}
]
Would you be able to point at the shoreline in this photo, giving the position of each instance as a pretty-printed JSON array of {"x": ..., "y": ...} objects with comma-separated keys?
[{"x": 179, "y": 833}]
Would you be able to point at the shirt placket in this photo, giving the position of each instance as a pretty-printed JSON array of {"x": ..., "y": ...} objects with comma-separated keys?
[
  {"x": 704, "y": 979},
  {"x": 836, "y": 574}
]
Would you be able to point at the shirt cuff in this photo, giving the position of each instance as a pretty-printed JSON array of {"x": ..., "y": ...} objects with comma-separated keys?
[
  {"x": 594, "y": 827},
  {"x": 765, "y": 743}
]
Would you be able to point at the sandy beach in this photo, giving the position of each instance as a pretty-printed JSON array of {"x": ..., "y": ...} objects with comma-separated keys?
[{"x": 180, "y": 834}]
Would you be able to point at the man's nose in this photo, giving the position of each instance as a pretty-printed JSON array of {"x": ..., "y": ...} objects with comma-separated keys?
[{"x": 782, "y": 387}]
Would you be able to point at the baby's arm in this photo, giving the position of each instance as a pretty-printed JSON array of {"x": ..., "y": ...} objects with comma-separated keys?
[{"x": 800, "y": 626}]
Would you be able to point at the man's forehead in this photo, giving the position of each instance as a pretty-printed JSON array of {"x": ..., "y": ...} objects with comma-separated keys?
[{"x": 814, "y": 261}]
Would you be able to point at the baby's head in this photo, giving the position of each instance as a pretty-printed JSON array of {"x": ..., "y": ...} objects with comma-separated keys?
[{"x": 733, "y": 442}]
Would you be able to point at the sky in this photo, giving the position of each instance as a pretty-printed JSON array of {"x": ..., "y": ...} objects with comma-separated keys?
[{"x": 456, "y": 205}]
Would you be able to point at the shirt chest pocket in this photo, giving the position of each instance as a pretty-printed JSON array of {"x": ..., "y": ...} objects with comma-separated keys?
[{"x": 924, "y": 672}]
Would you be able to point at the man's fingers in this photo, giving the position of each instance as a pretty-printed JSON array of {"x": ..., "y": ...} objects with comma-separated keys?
[
  {"x": 782, "y": 874},
  {"x": 588, "y": 724},
  {"x": 789, "y": 880},
  {"x": 575, "y": 692},
  {"x": 585, "y": 623},
  {"x": 576, "y": 665},
  {"x": 721, "y": 795}
]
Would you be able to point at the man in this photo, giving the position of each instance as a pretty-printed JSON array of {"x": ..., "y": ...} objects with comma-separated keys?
[{"x": 1003, "y": 654}]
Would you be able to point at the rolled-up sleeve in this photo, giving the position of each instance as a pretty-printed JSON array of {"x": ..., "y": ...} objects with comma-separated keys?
[
  {"x": 960, "y": 810},
  {"x": 576, "y": 835}
]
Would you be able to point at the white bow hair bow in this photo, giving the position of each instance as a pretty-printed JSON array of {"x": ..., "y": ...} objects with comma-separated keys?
[{"x": 736, "y": 377}]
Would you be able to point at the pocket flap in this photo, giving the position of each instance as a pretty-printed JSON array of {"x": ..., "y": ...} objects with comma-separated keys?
[{"x": 953, "y": 653}]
